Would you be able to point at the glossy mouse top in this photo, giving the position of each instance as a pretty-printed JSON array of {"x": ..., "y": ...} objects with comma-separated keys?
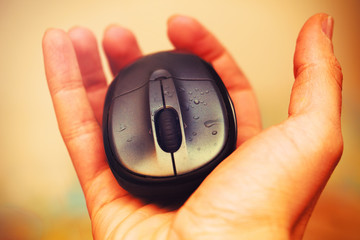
[{"x": 168, "y": 121}]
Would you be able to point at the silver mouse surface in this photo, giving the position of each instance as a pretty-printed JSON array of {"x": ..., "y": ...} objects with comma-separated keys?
[{"x": 168, "y": 121}]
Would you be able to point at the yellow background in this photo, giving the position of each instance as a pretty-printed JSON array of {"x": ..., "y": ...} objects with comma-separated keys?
[{"x": 40, "y": 197}]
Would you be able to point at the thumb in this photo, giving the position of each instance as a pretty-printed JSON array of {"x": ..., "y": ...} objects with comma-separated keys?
[{"x": 318, "y": 77}]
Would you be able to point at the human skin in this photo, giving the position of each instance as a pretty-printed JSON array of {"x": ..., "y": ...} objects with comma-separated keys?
[{"x": 266, "y": 189}]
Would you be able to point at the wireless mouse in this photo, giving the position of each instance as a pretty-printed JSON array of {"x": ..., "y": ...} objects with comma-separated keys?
[{"x": 168, "y": 121}]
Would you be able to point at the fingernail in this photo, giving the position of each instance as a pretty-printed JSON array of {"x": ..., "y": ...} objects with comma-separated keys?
[{"x": 327, "y": 26}]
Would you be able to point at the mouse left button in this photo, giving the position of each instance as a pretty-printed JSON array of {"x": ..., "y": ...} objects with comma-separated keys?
[{"x": 131, "y": 135}]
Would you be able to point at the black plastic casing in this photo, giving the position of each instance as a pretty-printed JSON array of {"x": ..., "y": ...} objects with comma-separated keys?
[{"x": 153, "y": 188}]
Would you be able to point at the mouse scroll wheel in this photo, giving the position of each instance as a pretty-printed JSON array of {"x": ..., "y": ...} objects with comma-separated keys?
[{"x": 168, "y": 130}]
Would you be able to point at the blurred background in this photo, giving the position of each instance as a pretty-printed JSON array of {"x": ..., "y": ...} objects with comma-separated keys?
[{"x": 40, "y": 197}]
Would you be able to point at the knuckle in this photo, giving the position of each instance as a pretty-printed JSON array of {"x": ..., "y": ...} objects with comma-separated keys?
[
  {"x": 79, "y": 130},
  {"x": 335, "y": 70},
  {"x": 329, "y": 66}
]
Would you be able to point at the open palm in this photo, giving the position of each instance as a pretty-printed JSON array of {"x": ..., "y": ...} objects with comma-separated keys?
[{"x": 267, "y": 188}]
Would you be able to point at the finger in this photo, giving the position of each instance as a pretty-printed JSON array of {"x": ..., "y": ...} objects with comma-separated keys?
[
  {"x": 278, "y": 175},
  {"x": 121, "y": 47},
  {"x": 187, "y": 34},
  {"x": 92, "y": 73},
  {"x": 78, "y": 126},
  {"x": 318, "y": 74}
]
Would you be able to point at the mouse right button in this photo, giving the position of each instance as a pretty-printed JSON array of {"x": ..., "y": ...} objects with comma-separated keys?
[{"x": 205, "y": 122}]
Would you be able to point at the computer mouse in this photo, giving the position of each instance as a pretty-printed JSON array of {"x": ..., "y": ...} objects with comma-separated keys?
[{"x": 168, "y": 121}]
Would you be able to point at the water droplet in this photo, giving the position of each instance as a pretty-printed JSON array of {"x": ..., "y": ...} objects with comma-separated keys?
[
  {"x": 122, "y": 128},
  {"x": 205, "y": 103},
  {"x": 196, "y": 89},
  {"x": 202, "y": 93},
  {"x": 210, "y": 123},
  {"x": 190, "y": 139},
  {"x": 196, "y": 101},
  {"x": 129, "y": 140},
  {"x": 207, "y": 91},
  {"x": 190, "y": 92},
  {"x": 214, "y": 132},
  {"x": 194, "y": 133},
  {"x": 196, "y": 117}
]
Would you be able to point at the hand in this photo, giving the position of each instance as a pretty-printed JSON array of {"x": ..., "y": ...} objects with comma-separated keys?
[{"x": 266, "y": 189}]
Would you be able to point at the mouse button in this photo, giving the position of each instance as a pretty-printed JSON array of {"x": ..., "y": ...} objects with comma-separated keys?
[
  {"x": 205, "y": 120},
  {"x": 130, "y": 79},
  {"x": 131, "y": 137}
]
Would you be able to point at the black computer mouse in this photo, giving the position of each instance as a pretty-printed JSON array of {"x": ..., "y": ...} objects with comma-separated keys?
[{"x": 168, "y": 121}]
